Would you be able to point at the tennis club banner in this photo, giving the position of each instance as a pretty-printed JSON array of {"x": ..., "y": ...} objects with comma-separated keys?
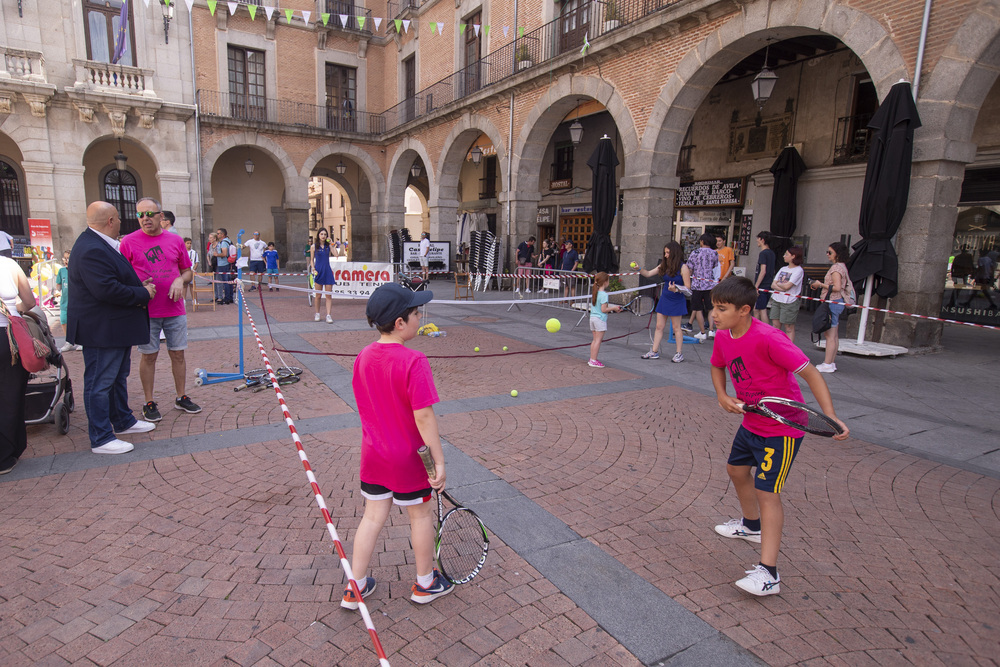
[{"x": 360, "y": 278}]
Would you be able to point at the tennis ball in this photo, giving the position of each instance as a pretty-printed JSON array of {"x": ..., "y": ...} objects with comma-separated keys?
[
  {"x": 633, "y": 265},
  {"x": 513, "y": 392},
  {"x": 504, "y": 348},
  {"x": 553, "y": 325},
  {"x": 476, "y": 349}
]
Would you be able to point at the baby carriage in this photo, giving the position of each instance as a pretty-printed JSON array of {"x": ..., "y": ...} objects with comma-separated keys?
[
  {"x": 413, "y": 284},
  {"x": 49, "y": 398}
]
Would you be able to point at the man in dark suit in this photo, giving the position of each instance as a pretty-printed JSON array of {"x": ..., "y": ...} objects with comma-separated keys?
[{"x": 107, "y": 315}]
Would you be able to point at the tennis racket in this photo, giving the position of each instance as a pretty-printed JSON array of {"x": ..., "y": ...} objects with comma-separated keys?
[
  {"x": 462, "y": 543},
  {"x": 683, "y": 289},
  {"x": 795, "y": 414},
  {"x": 641, "y": 304}
]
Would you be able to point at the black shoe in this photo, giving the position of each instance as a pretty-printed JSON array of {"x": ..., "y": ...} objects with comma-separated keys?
[
  {"x": 219, "y": 301},
  {"x": 150, "y": 413},
  {"x": 8, "y": 464},
  {"x": 186, "y": 404}
]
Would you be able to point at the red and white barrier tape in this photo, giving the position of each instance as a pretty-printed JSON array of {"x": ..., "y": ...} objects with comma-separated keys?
[{"x": 362, "y": 607}]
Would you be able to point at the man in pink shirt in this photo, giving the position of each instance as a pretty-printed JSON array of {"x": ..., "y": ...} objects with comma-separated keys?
[{"x": 162, "y": 257}]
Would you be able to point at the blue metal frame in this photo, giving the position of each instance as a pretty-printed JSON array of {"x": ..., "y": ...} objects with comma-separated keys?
[{"x": 204, "y": 377}]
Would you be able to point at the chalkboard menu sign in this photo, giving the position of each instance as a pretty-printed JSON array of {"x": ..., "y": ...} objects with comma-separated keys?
[
  {"x": 722, "y": 192},
  {"x": 743, "y": 238}
]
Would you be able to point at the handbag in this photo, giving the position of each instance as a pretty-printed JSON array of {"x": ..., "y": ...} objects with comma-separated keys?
[
  {"x": 25, "y": 345},
  {"x": 822, "y": 318}
]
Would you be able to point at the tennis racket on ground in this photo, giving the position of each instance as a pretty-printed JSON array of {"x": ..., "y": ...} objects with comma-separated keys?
[
  {"x": 462, "y": 543},
  {"x": 641, "y": 304},
  {"x": 795, "y": 414}
]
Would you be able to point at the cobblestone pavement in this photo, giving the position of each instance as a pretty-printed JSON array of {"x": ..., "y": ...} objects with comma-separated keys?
[{"x": 204, "y": 546}]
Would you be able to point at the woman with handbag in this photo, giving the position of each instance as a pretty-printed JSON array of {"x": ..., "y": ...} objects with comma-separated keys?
[
  {"x": 13, "y": 378},
  {"x": 838, "y": 287}
]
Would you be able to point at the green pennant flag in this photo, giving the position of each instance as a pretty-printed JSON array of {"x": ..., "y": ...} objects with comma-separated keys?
[
  {"x": 325, "y": 17},
  {"x": 461, "y": 28},
  {"x": 166, "y": 2},
  {"x": 520, "y": 31},
  {"x": 288, "y": 15},
  {"x": 211, "y": 6},
  {"x": 433, "y": 26},
  {"x": 399, "y": 24},
  {"x": 486, "y": 30},
  {"x": 253, "y": 11},
  {"x": 361, "y": 23},
  {"x": 586, "y": 44}
]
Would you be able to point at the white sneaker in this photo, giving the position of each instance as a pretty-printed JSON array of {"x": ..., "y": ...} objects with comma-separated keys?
[
  {"x": 527, "y": 291},
  {"x": 139, "y": 426},
  {"x": 760, "y": 582},
  {"x": 67, "y": 347},
  {"x": 316, "y": 318},
  {"x": 735, "y": 528},
  {"x": 329, "y": 320},
  {"x": 701, "y": 336},
  {"x": 711, "y": 333},
  {"x": 113, "y": 447},
  {"x": 78, "y": 348},
  {"x": 826, "y": 368}
]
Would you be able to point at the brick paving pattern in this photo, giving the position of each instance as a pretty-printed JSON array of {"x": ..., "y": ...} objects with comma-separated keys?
[{"x": 221, "y": 557}]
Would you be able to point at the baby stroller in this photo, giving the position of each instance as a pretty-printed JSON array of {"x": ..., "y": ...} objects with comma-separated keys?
[
  {"x": 49, "y": 398},
  {"x": 413, "y": 284}
]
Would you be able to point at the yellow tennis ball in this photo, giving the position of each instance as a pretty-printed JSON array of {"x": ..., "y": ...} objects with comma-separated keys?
[
  {"x": 633, "y": 265},
  {"x": 475, "y": 349},
  {"x": 504, "y": 348},
  {"x": 553, "y": 325},
  {"x": 513, "y": 392}
]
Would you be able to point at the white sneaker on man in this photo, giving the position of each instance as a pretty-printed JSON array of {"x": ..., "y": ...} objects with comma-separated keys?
[
  {"x": 113, "y": 447},
  {"x": 139, "y": 426}
]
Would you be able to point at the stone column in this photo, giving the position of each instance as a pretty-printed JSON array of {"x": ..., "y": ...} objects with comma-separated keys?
[
  {"x": 392, "y": 216},
  {"x": 296, "y": 233},
  {"x": 175, "y": 195},
  {"x": 61, "y": 192},
  {"x": 647, "y": 221},
  {"x": 524, "y": 213}
]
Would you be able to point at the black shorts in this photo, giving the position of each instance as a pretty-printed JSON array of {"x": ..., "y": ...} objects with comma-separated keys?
[
  {"x": 772, "y": 456},
  {"x": 762, "y": 299},
  {"x": 701, "y": 299},
  {"x": 379, "y": 492}
]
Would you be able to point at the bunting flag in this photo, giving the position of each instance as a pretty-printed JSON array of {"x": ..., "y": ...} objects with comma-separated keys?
[
  {"x": 326, "y": 17},
  {"x": 232, "y": 8},
  {"x": 486, "y": 31},
  {"x": 189, "y": 3},
  {"x": 253, "y": 12},
  {"x": 586, "y": 43},
  {"x": 505, "y": 29},
  {"x": 211, "y": 6},
  {"x": 121, "y": 40},
  {"x": 378, "y": 23},
  {"x": 406, "y": 25},
  {"x": 461, "y": 28},
  {"x": 343, "y": 20},
  {"x": 269, "y": 11},
  {"x": 520, "y": 31},
  {"x": 361, "y": 23},
  {"x": 475, "y": 26},
  {"x": 399, "y": 25},
  {"x": 147, "y": 3},
  {"x": 306, "y": 16},
  {"x": 440, "y": 28},
  {"x": 288, "y": 15},
  {"x": 433, "y": 27}
]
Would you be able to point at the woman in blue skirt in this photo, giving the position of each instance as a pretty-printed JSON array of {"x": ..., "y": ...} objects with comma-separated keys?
[
  {"x": 673, "y": 302},
  {"x": 319, "y": 264}
]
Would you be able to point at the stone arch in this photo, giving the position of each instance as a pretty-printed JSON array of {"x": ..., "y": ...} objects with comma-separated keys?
[
  {"x": 399, "y": 170},
  {"x": 560, "y": 98},
  {"x": 703, "y": 66},
  {"x": 262, "y": 143},
  {"x": 371, "y": 170}
]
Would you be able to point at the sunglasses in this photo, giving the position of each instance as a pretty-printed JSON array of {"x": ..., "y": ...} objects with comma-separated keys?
[{"x": 146, "y": 214}]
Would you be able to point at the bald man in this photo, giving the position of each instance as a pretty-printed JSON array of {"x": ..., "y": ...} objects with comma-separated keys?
[{"x": 107, "y": 315}]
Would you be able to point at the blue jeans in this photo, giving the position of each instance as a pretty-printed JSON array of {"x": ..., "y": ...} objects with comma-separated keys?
[
  {"x": 105, "y": 392},
  {"x": 227, "y": 289}
]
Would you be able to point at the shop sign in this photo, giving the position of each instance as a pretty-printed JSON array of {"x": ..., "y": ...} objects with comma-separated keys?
[
  {"x": 438, "y": 255},
  {"x": 967, "y": 304},
  {"x": 722, "y": 192},
  {"x": 561, "y": 184},
  {"x": 544, "y": 215},
  {"x": 575, "y": 210}
]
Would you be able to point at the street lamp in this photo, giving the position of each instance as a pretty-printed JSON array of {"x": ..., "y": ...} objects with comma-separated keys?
[
  {"x": 120, "y": 158},
  {"x": 415, "y": 170},
  {"x": 763, "y": 84},
  {"x": 341, "y": 168},
  {"x": 249, "y": 166},
  {"x": 477, "y": 155},
  {"x": 576, "y": 129},
  {"x": 168, "y": 14}
]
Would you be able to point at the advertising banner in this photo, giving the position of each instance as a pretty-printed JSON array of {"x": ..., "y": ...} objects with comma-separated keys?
[
  {"x": 40, "y": 231},
  {"x": 438, "y": 256},
  {"x": 360, "y": 278}
]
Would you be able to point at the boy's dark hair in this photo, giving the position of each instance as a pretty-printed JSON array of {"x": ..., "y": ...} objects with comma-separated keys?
[
  {"x": 707, "y": 240},
  {"x": 223, "y": 230},
  {"x": 735, "y": 290},
  {"x": 187, "y": 240},
  {"x": 169, "y": 215},
  {"x": 270, "y": 244},
  {"x": 530, "y": 239},
  {"x": 765, "y": 237},
  {"x": 390, "y": 327}
]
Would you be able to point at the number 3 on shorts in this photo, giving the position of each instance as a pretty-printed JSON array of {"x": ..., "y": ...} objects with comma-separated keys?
[{"x": 765, "y": 465}]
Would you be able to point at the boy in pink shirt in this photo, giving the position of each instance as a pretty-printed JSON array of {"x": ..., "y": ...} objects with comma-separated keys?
[
  {"x": 761, "y": 362},
  {"x": 395, "y": 393}
]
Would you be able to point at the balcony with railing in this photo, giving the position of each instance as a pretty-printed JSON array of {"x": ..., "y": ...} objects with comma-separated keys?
[
  {"x": 23, "y": 65},
  {"x": 853, "y": 139},
  {"x": 566, "y": 34},
  {"x": 401, "y": 8},
  {"x": 108, "y": 78},
  {"x": 213, "y": 104},
  {"x": 345, "y": 15}
]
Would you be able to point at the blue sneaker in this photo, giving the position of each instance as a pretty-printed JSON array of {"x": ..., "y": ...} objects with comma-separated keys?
[
  {"x": 440, "y": 586},
  {"x": 350, "y": 600}
]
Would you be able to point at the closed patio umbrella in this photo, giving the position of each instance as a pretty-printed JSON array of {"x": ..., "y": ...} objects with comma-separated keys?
[
  {"x": 604, "y": 197},
  {"x": 786, "y": 169}
]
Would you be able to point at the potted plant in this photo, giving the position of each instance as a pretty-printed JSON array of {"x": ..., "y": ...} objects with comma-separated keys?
[
  {"x": 523, "y": 57},
  {"x": 612, "y": 17},
  {"x": 615, "y": 285}
]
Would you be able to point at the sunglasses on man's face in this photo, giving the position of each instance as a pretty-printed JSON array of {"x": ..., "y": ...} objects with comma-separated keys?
[{"x": 146, "y": 214}]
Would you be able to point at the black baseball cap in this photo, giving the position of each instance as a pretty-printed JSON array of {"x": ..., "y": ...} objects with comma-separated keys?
[{"x": 390, "y": 300}]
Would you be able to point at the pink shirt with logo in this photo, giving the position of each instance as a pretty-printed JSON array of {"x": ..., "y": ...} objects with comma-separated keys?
[
  {"x": 761, "y": 362},
  {"x": 163, "y": 258},
  {"x": 390, "y": 383}
]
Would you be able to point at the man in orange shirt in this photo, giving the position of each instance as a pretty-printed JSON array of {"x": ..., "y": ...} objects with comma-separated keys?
[{"x": 727, "y": 258}]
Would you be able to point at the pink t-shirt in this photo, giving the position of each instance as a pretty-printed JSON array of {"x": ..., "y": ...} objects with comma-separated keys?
[
  {"x": 163, "y": 258},
  {"x": 761, "y": 362},
  {"x": 390, "y": 383}
]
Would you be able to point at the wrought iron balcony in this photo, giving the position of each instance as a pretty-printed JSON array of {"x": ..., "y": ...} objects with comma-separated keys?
[
  {"x": 339, "y": 10},
  {"x": 853, "y": 139},
  {"x": 214, "y": 104}
]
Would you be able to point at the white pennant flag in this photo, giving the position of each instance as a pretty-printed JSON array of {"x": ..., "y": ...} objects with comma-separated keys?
[
  {"x": 305, "y": 16},
  {"x": 475, "y": 26},
  {"x": 378, "y": 22},
  {"x": 440, "y": 28},
  {"x": 232, "y": 8},
  {"x": 406, "y": 25},
  {"x": 147, "y": 3},
  {"x": 269, "y": 11},
  {"x": 189, "y": 3},
  {"x": 343, "y": 20},
  {"x": 505, "y": 29}
]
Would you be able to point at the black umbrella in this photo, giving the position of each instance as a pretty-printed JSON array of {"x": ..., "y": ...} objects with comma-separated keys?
[
  {"x": 887, "y": 185},
  {"x": 786, "y": 169},
  {"x": 604, "y": 197}
]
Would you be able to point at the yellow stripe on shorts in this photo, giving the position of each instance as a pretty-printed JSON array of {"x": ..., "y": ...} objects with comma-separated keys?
[{"x": 786, "y": 463}]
